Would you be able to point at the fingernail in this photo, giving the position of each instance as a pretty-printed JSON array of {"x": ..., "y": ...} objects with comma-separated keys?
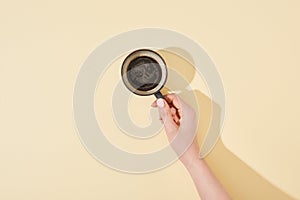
[
  {"x": 152, "y": 105},
  {"x": 160, "y": 103}
]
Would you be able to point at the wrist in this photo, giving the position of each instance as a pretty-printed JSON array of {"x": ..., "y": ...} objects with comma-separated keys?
[
  {"x": 190, "y": 156},
  {"x": 196, "y": 161},
  {"x": 190, "y": 161}
]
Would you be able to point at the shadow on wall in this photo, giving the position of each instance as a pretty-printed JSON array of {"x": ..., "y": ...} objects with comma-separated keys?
[{"x": 240, "y": 180}]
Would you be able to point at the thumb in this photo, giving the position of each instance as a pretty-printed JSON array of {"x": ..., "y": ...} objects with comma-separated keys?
[{"x": 166, "y": 116}]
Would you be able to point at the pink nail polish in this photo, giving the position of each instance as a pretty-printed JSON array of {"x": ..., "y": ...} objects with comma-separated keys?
[{"x": 160, "y": 103}]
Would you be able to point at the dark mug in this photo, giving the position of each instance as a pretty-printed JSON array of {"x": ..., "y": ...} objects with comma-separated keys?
[{"x": 144, "y": 72}]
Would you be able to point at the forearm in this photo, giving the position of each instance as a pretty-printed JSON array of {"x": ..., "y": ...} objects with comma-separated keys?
[
  {"x": 206, "y": 183},
  {"x": 179, "y": 117}
]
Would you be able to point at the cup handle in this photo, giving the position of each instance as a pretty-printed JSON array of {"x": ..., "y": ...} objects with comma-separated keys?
[{"x": 159, "y": 95}]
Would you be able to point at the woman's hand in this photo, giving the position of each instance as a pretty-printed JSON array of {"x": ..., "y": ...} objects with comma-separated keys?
[{"x": 177, "y": 117}]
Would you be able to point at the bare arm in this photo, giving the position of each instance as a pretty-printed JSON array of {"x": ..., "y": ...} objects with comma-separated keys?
[
  {"x": 206, "y": 183},
  {"x": 175, "y": 114}
]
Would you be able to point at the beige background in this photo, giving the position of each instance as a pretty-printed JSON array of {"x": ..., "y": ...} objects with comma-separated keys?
[{"x": 255, "y": 45}]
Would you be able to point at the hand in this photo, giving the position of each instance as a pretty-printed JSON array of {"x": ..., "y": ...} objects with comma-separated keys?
[{"x": 178, "y": 117}]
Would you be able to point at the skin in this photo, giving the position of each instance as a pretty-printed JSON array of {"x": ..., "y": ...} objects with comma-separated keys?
[{"x": 176, "y": 115}]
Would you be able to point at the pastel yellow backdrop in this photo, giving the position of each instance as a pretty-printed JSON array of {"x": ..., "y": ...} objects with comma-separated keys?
[{"x": 255, "y": 45}]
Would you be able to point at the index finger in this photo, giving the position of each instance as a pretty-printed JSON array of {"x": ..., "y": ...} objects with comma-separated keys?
[{"x": 173, "y": 99}]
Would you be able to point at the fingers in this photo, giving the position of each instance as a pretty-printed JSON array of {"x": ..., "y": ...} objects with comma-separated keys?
[
  {"x": 171, "y": 99},
  {"x": 174, "y": 103},
  {"x": 174, "y": 100},
  {"x": 175, "y": 116},
  {"x": 174, "y": 111},
  {"x": 166, "y": 116},
  {"x": 154, "y": 104}
]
